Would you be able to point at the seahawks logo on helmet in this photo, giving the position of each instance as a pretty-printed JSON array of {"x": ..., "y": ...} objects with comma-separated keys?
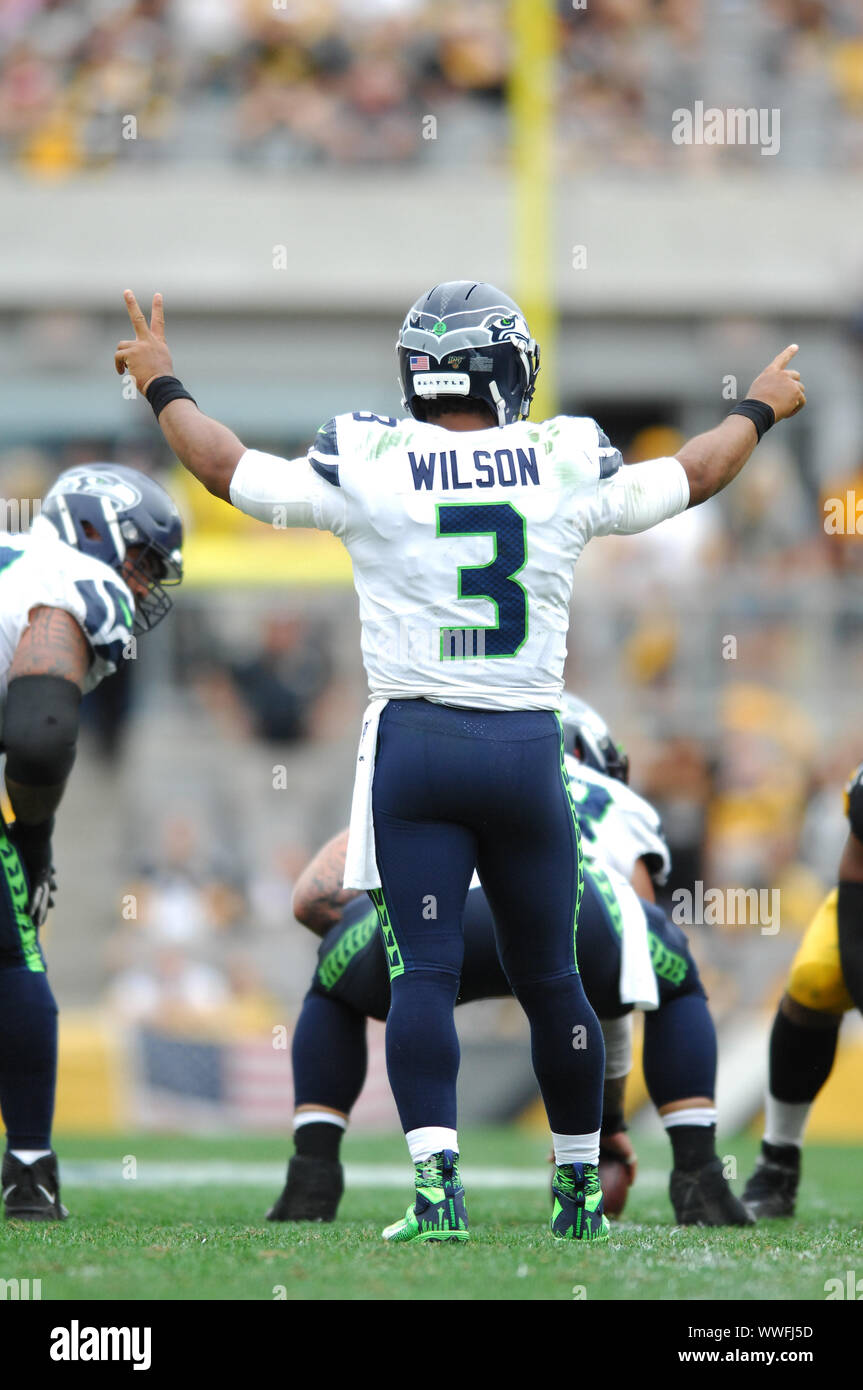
[
  {"x": 120, "y": 516},
  {"x": 509, "y": 330},
  {"x": 477, "y": 321},
  {"x": 122, "y": 494}
]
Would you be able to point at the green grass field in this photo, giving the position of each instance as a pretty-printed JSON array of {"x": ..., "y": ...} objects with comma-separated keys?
[{"x": 201, "y": 1236}]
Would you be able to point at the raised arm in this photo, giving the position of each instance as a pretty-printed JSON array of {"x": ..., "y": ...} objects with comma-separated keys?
[
  {"x": 208, "y": 449},
  {"x": 712, "y": 460}
]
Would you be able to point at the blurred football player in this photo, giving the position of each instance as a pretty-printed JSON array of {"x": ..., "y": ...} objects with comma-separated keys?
[
  {"x": 464, "y": 604},
  {"x": 74, "y": 591},
  {"x": 623, "y": 841},
  {"x": 826, "y": 980}
]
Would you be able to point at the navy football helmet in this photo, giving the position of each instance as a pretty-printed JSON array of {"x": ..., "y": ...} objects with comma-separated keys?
[
  {"x": 466, "y": 338},
  {"x": 106, "y": 509},
  {"x": 587, "y": 736}
]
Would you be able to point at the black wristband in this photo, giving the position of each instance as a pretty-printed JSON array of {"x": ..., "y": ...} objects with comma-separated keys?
[
  {"x": 760, "y": 413},
  {"x": 164, "y": 389}
]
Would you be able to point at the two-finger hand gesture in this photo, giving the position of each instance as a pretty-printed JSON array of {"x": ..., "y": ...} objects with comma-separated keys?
[{"x": 146, "y": 356}]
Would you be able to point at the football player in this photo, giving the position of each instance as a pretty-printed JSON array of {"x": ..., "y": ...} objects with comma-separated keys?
[
  {"x": 74, "y": 591},
  {"x": 826, "y": 980},
  {"x": 623, "y": 841},
  {"x": 464, "y": 605}
]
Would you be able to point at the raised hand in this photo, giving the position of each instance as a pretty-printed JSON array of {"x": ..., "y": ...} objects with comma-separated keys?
[
  {"x": 147, "y": 356},
  {"x": 778, "y": 387}
]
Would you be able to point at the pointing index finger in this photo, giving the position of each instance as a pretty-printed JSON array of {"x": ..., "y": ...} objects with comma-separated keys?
[
  {"x": 785, "y": 356},
  {"x": 139, "y": 323}
]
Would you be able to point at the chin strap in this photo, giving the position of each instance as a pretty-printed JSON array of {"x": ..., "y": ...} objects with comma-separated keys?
[{"x": 499, "y": 403}]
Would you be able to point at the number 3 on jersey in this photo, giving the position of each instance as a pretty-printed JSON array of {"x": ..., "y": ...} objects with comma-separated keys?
[{"x": 495, "y": 581}]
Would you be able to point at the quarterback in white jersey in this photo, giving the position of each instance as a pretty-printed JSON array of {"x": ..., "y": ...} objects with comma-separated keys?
[
  {"x": 74, "y": 592},
  {"x": 463, "y": 521},
  {"x": 463, "y": 546}
]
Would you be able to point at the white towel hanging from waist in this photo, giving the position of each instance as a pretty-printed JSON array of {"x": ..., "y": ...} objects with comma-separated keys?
[
  {"x": 637, "y": 977},
  {"x": 361, "y": 870}
]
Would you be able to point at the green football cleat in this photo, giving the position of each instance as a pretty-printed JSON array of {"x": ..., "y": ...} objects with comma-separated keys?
[
  {"x": 438, "y": 1212},
  {"x": 577, "y": 1212}
]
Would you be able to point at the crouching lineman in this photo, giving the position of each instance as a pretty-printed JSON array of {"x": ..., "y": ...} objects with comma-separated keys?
[
  {"x": 73, "y": 591},
  {"x": 622, "y": 840},
  {"x": 826, "y": 980}
]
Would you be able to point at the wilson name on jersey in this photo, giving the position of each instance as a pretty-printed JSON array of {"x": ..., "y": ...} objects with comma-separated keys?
[{"x": 463, "y": 544}]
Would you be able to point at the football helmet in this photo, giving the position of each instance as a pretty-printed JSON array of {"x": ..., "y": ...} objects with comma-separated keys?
[
  {"x": 105, "y": 510},
  {"x": 587, "y": 736},
  {"x": 466, "y": 338}
]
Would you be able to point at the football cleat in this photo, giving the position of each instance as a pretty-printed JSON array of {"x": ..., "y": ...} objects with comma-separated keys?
[
  {"x": 772, "y": 1188},
  {"x": 31, "y": 1191},
  {"x": 577, "y": 1212},
  {"x": 702, "y": 1197},
  {"x": 438, "y": 1212},
  {"x": 312, "y": 1192}
]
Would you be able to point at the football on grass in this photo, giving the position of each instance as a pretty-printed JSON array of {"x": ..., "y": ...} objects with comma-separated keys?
[{"x": 614, "y": 1177}]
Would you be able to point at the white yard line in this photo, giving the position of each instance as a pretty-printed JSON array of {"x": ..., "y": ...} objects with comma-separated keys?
[{"x": 218, "y": 1173}]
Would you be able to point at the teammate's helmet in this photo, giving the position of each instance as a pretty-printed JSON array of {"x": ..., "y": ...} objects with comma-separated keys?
[
  {"x": 103, "y": 510},
  {"x": 586, "y": 735},
  {"x": 466, "y": 338}
]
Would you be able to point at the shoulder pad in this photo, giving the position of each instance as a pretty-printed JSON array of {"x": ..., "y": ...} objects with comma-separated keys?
[{"x": 108, "y": 615}]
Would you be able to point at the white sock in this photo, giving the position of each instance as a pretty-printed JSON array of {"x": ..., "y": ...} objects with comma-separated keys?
[
  {"x": 785, "y": 1122},
  {"x": 319, "y": 1117},
  {"x": 431, "y": 1139},
  {"x": 30, "y": 1155},
  {"x": 698, "y": 1115},
  {"x": 576, "y": 1148}
]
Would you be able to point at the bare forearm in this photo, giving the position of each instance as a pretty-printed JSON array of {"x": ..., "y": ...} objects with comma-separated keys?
[
  {"x": 712, "y": 460},
  {"x": 319, "y": 898},
  {"x": 208, "y": 449}
]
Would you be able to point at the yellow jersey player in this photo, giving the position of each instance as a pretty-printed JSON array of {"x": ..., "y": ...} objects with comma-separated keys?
[{"x": 826, "y": 980}]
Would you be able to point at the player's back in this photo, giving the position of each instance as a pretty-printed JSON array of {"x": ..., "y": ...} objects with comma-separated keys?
[{"x": 463, "y": 545}]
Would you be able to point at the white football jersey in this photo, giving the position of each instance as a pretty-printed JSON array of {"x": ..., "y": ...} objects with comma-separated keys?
[
  {"x": 618, "y": 827},
  {"x": 38, "y": 569},
  {"x": 462, "y": 544}
]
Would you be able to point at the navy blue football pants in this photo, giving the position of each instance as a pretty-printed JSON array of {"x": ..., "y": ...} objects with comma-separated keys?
[{"x": 456, "y": 790}]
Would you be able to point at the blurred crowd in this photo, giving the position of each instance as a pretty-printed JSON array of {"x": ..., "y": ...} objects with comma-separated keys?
[{"x": 88, "y": 84}]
